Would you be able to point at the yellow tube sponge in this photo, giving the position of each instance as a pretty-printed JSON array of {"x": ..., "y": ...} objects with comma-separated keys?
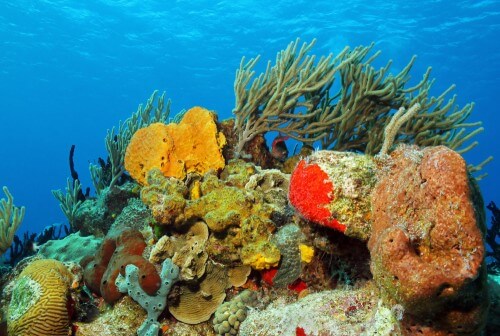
[{"x": 306, "y": 253}]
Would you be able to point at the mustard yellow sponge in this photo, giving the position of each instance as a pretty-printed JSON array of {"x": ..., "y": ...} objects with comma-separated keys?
[
  {"x": 39, "y": 303},
  {"x": 260, "y": 255},
  {"x": 306, "y": 253}
]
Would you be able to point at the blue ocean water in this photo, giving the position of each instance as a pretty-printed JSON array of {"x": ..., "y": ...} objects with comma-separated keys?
[{"x": 69, "y": 70}]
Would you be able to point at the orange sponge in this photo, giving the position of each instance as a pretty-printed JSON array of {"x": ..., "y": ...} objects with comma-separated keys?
[
  {"x": 193, "y": 145},
  {"x": 149, "y": 147}
]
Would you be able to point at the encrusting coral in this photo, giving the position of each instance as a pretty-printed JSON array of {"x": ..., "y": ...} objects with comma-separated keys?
[
  {"x": 231, "y": 314},
  {"x": 40, "y": 304},
  {"x": 73, "y": 247}
]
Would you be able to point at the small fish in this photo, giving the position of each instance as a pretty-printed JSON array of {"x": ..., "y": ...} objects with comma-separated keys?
[{"x": 278, "y": 148}]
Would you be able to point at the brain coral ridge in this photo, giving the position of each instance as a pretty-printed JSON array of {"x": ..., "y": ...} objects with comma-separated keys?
[
  {"x": 40, "y": 300},
  {"x": 193, "y": 145}
]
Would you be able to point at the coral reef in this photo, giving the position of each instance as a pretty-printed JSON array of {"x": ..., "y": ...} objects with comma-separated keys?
[
  {"x": 348, "y": 244},
  {"x": 39, "y": 302}
]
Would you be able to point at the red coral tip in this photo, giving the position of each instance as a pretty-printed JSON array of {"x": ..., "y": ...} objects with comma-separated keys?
[
  {"x": 298, "y": 286},
  {"x": 268, "y": 275},
  {"x": 299, "y": 331}
]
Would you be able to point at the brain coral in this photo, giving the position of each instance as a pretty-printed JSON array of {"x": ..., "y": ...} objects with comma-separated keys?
[
  {"x": 193, "y": 145},
  {"x": 40, "y": 298}
]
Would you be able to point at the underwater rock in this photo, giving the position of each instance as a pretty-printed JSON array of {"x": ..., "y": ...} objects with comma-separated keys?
[
  {"x": 427, "y": 250},
  {"x": 335, "y": 312},
  {"x": 96, "y": 216},
  {"x": 165, "y": 197},
  {"x": 192, "y": 145},
  {"x": 237, "y": 173},
  {"x": 333, "y": 189},
  {"x": 493, "y": 322},
  {"x": 123, "y": 320},
  {"x": 40, "y": 303}
]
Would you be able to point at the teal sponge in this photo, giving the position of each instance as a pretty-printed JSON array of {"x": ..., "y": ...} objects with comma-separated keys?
[{"x": 154, "y": 305}]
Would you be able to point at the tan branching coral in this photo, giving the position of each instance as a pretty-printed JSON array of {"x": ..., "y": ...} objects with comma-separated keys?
[
  {"x": 269, "y": 103},
  {"x": 10, "y": 219},
  {"x": 293, "y": 97}
]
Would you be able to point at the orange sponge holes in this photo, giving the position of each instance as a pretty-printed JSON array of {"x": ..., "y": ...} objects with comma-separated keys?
[
  {"x": 149, "y": 148},
  {"x": 311, "y": 192},
  {"x": 192, "y": 145}
]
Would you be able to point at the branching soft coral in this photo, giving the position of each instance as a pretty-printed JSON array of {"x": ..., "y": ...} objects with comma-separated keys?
[{"x": 10, "y": 219}]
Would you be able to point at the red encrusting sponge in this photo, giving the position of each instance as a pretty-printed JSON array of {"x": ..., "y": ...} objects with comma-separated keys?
[{"x": 310, "y": 192}]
